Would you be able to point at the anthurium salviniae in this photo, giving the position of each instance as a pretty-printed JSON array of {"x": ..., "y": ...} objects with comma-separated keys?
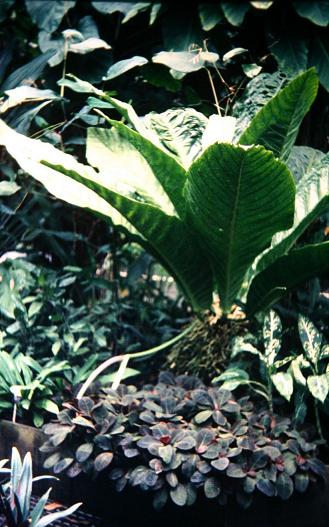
[{"x": 220, "y": 216}]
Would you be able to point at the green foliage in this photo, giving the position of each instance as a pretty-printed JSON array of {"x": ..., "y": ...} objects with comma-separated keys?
[
  {"x": 179, "y": 439},
  {"x": 70, "y": 313},
  {"x": 296, "y": 374},
  {"x": 174, "y": 210},
  {"x": 16, "y": 495}
]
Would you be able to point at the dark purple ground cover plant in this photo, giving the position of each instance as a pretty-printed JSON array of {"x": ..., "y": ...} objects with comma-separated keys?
[{"x": 179, "y": 439}]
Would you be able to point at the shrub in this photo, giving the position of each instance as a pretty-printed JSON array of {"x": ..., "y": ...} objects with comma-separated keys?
[{"x": 180, "y": 438}]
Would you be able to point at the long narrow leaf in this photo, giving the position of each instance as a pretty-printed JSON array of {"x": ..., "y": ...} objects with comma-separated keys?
[
  {"x": 276, "y": 125},
  {"x": 50, "y": 518},
  {"x": 24, "y": 488},
  {"x": 39, "y": 508},
  {"x": 30, "y": 152}
]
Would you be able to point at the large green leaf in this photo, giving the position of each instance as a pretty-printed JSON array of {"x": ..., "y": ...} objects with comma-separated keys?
[
  {"x": 170, "y": 174},
  {"x": 312, "y": 199},
  {"x": 256, "y": 94},
  {"x": 29, "y": 72},
  {"x": 168, "y": 236},
  {"x": 48, "y": 14},
  {"x": 124, "y": 168},
  {"x": 237, "y": 199},
  {"x": 81, "y": 185},
  {"x": 210, "y": 15},
  {"x": 319, "y": 57},
  {"x": 290, "y": 52},
  {"x": 235, "y": 12},
  {"x": 286, "y": 273},
  {"x": 276, "y": 125},
  {"x": 316, "y": 11},
  {"x": 29, "y": 154},
  {"x": 123, "y": 66}
]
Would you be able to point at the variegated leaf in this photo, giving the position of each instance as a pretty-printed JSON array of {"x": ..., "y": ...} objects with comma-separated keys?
[
  {"x": 272, "y": 331},
  {"x": 318, "y": 386},
  {"x": 310, "y": 337},
  {"x": 283, "y": 382}
]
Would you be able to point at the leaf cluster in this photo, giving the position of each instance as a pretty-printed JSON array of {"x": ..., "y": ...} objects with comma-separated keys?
[
  {"x": 16, "y": 495},
  {"x": 179, "y": 439}
]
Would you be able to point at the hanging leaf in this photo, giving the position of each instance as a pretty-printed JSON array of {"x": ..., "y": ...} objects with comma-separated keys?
[
  {"x": 316, "y": 12},
  {"x": 251, "y": 70},
  {"x": 290, "y": 52},
  {"x": 210, "y": 15},
  {"x": 319, "y": 57},
  {"x": 23, "y": 94},
  {"x": 183, "y": 61},
  {"x": 123, "y": 66},
  {"x": 318, "y": 386},
  {"x": 235, "y": 12},
  {"x": 233, "y": 53},
  {"x": 284, "y": 384}
]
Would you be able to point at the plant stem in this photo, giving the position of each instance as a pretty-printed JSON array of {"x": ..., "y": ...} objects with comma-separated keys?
[
  {"x": 214, "y": 92},
  {"x": 317, "y": 419},
  {"x": 62, "y": 90},
  {"x": 126, "y": 357}
]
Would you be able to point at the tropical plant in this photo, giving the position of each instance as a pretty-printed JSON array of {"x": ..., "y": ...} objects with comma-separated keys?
[
  {"x": 218, "y": 216},
  {"x": 81, "y": 316},
  {"x": 15, "y": 496},
  {"x": 178, "y": 439},
  {"x": 26, "y": 386},
  {"x": 270, "y": 364},
  {"x": 296, "y": 375}
]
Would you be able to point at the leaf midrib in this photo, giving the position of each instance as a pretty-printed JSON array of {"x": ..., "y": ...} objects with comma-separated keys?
[{"x": 232, "y": 231}]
